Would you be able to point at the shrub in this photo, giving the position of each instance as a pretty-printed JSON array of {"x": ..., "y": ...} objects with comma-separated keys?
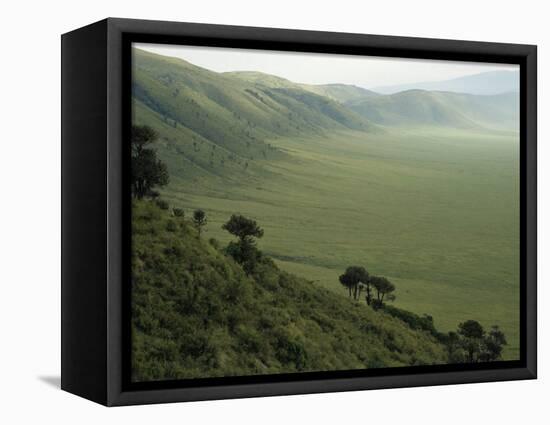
[
  {"x": 214, "y": 242},
  {"x": 247, "y": 255},
  {"x": 162, "y": 204},
  {"x": 178, "y": 212},
  {"x": 414, "y": 321},
  {"x": 291, "y": 351},
  {"x": 171, "y": 226}
]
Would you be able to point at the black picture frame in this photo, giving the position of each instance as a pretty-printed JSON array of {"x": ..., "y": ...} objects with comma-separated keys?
[{"x": 95, "y": 293}]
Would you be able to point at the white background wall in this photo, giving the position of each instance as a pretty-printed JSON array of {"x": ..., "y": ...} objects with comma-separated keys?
[{"x": 30, "y": 211}]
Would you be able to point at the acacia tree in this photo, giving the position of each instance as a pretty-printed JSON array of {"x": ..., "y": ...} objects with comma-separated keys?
[
  {"x": 352, "y": 278},
  {"x": 472, "y": 344},
  {"x": 472, "y": 334},
  {"x": 199, "y": 220},
  {"x": 368, "y": 288},
  {"x": 384, "y": 288},
  {"x": 244, "y": 250},
  {"x": 147, "y": 171},
  {"x": 244, "y": 228},
  {"x": 493, "y": 344}
]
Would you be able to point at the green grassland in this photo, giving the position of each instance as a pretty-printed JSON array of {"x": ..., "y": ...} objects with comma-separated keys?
[{"x": 431, "y": 201}]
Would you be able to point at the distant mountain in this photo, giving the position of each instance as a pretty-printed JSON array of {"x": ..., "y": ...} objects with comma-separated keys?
[
  {"x": 428, "y": 108},
  {"x": 338, "y": 92},
  {"x": 486, "y": 83}
]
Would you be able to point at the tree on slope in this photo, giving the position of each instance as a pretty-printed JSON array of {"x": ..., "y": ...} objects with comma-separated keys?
[
  {"x": 244, "y": 228},
  {"x": 471, "y": 344},
  {"x": 384, "y": 288},
  {"x": 199, "y": 220},
  {"x": 352, "y": 278},
  {"x": 493, "y": 345},
  {"x": 147, "y": 171},
  {"x": 244, "y": 251},
  {"x": 472, "y": 334}
]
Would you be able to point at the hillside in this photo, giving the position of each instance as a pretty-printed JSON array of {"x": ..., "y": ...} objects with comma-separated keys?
[
  {"x": 195, "y": 313},
  {"x": 219, "y": 125},
  {"x": 338, "y": 92},
  {"x": 444, "y": 109}
]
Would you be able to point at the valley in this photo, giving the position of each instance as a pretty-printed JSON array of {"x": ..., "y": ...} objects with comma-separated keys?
[{"x": 423, "y": 194}]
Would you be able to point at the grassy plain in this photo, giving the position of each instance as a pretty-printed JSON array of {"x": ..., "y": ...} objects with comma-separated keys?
[{"x": 436, "y": 211}]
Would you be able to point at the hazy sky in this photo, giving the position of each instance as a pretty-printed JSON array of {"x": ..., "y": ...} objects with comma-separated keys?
[{"x": 314, "y": 68}]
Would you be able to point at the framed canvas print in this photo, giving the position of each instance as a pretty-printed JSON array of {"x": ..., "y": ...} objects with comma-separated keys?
[{"x": 253, "y": 212}]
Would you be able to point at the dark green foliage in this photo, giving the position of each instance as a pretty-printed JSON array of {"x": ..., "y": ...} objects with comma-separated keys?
[
  {"x": 196, "y": 313},
  {"x": 471, "y": 333},
  {"x": 494, "y": 342},
  {"x": 470, "y": 329},
  {"x": 147, "y": 171},
  {"x": 244, "y": 228},
  {"x": 352, "y": 278},
  {"x": 171, "y": 226},
  {"x": 244, "y": 253},
  {"x": 471, "y": 344},
  {"x": 162, "y": 204},
  {"x": 178, "y": 212},
  {"x": 414, "y": 321},
  {"x": 244, "y": 250},
  {"x": 214, "y": 242},
  {"x": 384, "y": 288},
  {"x": 199, "y": 220}
]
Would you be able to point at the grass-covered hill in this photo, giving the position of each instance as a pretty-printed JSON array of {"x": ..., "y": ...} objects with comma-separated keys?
[
  {"x": 220, "y": 126},
  {"x": 195, "y": 313},
  {"x": 339, "y": 92},
  {"x": 233, "y": 113},
  {"x": 442, "y": 109}
]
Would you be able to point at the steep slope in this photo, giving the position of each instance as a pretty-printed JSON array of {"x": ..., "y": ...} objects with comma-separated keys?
[
  {"x": 195, "y": 313},
  {"x": 485, "y": 83},
  {"x": 420, "y": 107}
]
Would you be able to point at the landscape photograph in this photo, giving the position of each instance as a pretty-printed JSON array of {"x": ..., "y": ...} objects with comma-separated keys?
[{"x": 299, "y": 212}]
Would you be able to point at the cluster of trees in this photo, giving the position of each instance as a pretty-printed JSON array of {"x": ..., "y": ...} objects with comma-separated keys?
[
  {"x": 357, "y": 279},
  {"x": 472, "y": 344},
  {"x": 469, "y": 344}
]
